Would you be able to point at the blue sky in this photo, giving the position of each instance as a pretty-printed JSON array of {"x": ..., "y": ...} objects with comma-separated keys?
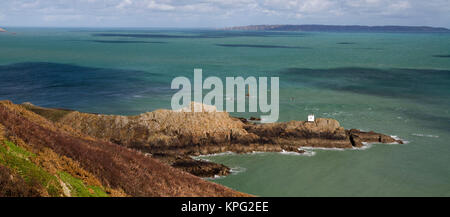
[{"x": 221, "y": 13}]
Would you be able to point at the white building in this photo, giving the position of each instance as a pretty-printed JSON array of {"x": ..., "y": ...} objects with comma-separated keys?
[{"x": 311, "y": 118}]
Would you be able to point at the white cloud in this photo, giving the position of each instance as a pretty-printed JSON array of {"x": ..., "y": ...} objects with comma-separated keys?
[
  {"x": 401, "y": 5},
  {"x": 312, "y": 6},
  {"x": 155, "y": 5},
  {"x": 122, "y": 4},
  {"x": 229, "y": 11},
  {"x": 30, "y": 4}
]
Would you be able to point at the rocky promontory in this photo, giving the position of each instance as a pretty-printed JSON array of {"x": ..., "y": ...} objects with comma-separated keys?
[
  {"x": 2, "y": 30},
  {"x": 174, "y": 136}
]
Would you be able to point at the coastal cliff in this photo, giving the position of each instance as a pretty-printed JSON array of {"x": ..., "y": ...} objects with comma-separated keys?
[
  {"x": 2, "y": 30},
  {"x": 174, "y": 136}
]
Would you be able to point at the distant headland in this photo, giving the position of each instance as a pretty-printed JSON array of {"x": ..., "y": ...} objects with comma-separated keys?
[
  {"x": 2, "y": 30},
  {"x": 340, "y": 28}
]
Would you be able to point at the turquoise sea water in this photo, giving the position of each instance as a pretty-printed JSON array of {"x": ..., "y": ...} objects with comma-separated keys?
[{"x": 397, "y": 84}]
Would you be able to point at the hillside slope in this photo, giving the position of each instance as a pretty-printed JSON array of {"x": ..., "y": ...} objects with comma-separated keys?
[{"x": 42, "y": 158}]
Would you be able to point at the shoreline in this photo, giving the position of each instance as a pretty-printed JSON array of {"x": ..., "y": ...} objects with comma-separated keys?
[
  {"x": 308, "y": 152},
  {"x": 173, "y": 137}
]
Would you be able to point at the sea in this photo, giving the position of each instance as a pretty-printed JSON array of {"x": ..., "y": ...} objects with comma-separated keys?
[{"x": 392, "y": 83}]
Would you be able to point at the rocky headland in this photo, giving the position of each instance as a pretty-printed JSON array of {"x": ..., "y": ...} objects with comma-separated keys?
[
  {"x": 2, "y": 30},
  {"x": 173, "y": 137}
]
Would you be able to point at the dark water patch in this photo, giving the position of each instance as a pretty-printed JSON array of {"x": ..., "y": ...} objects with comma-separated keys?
[
  {"x": 442, "y": 56},
  {"x": 423, "y": 85},
  {"x": 120, "y": 41},
  {"x": 346, "y": 43},
  {"x": 430, "y": 120},
  {"x": 197, "y": 34},
  {"x": 366, "y": 48},
  {"x": 261, "y": 46},
  {"x": 77, "y": 87},
  {"x": 361, "y": 48},
  {"x": 225, "y": 34},
  {"x": 127, "y": 42},
  {"x": 167, "y": 36}
]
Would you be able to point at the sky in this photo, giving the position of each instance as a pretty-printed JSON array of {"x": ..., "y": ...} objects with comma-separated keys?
[{"x": 221, "y": 13}]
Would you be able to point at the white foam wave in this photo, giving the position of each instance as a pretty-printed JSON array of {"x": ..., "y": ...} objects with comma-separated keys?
[
  {"x": 425, "y": 135},
  {"x": 257, "y": 152},
  {"x": 306, "y": 153},
  {"x": 212, "y": 155},
  {"x": 236, "y": 170},
  {"x": 214, "y": 178},
  {"x": 398, "y": 138},
  {"x": 233, "y": 171},
  {"x": 321, "y": 148},
  {"x": 366, "y": 145}
]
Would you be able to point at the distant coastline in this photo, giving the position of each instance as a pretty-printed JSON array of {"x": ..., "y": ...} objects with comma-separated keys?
[{"x": 341, "y": 28}]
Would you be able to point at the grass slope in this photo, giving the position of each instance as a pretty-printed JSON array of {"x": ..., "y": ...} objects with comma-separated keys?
[{"x": 20, "y": 161}]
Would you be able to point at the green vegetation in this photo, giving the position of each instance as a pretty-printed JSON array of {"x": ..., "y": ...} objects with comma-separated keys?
[
  {"x": 17, "y": 151},
  {"x": 79, "y": 189},
  {"x": 50, "y": 114},
  {"x": 18, "y": 159}
]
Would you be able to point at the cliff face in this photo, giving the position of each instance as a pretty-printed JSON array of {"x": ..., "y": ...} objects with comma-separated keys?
[
  {"x": 174, "y": 136},
  {"x": 159, "y": 129},
  {"x": 39, "y": 157}
]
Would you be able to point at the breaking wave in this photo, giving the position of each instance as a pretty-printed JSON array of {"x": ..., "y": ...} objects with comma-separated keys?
[{"x": 425, "y": 135}]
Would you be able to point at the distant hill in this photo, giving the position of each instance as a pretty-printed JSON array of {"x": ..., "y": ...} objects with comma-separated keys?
[{"x": 337, "y": 28}]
